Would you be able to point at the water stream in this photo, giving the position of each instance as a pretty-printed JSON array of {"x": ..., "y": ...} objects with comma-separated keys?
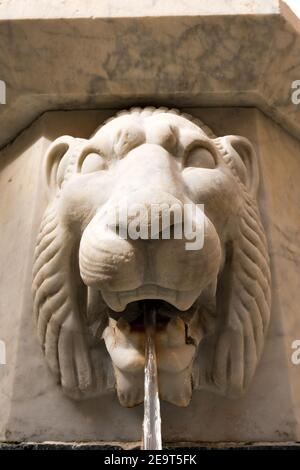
[{"x": 152, "y": 420}]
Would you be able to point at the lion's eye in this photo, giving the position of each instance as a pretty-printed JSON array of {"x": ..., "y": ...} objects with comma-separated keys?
[
  {"x": 93, "y": 162},
  {"x": 200, "y": 157}
]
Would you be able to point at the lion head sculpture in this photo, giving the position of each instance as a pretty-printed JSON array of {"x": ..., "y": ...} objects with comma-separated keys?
[{"x": 90, "y": 285}]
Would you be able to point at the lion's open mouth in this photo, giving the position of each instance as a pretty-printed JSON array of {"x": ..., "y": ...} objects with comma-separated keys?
[
  {"x": 134, "y": 314},
  {"x": 125, "y": 341}
]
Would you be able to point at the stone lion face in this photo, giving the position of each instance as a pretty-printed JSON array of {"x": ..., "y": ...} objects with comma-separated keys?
[{"x": 90, "y": 284}]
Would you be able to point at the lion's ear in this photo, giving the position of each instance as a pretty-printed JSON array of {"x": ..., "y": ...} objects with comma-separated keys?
[
  {"x": 53, "y": 171},
  {"x": 61, "y": 160},
  {"x": 243, "y": 160}
]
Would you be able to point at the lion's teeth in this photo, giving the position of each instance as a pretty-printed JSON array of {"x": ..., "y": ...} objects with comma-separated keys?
[
  {"x": 175, "y": 331},
  {"x": 186, "y": 299},
  {"x": 112, "y": 299}
]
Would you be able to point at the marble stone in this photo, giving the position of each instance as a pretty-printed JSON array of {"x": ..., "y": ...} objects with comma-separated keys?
[
  {"x": 10, "y": 9},
  {"x": 105, "y": 247},
  {"x": 33, "y": 405},
  {"x": 162, "y": 53}
]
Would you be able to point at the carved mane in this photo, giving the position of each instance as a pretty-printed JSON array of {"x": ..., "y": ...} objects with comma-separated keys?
[
  {"x": 227, "y": 359},
  {"x": 61, "y": 319}
]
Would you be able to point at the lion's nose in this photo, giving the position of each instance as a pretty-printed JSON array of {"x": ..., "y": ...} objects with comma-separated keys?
[
  {"x": 148, "y": 167},
  {"x": 147, "y": 213}
]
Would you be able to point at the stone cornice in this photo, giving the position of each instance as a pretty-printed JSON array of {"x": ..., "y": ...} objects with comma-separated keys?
[{"x": 216, "y": 55}]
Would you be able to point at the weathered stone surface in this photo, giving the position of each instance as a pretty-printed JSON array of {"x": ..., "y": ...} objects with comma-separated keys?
[
  {"x": 10, "y": 9},
  {"x": 162, "y": 53}
]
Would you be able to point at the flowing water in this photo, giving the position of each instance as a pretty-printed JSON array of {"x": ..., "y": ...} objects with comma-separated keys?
[{"x": 152, "y": 420}]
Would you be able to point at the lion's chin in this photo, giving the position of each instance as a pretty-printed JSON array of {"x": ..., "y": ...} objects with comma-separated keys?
[{"x": 175, "y": 348}]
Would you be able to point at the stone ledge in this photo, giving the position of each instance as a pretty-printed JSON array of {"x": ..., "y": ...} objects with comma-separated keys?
[
  {"x": 161, "y": 58},
  {"x": 9, "y": 9},
  {"x": 188, "y": 447}
]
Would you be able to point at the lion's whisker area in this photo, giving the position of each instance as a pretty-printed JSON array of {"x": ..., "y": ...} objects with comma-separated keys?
[{"x": 152, "y": 419}]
